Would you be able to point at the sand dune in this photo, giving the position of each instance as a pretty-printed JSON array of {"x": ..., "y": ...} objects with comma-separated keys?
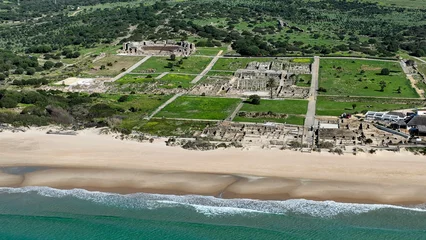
[{"x": 99, "y": 162}]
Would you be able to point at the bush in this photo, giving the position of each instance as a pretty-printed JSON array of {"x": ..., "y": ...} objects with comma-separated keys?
[
  {"x": 321, "y": 89},
  {"x": 101, "y": 110},
  {"x": 31, "y": 71},
  {"x": 32, "y": 98},
  {"x": 123, "y": 98},
  {"x": 254, "y": 99},
  {"x": 385, "y": 71},
  {"x": 8, "y": 102}
]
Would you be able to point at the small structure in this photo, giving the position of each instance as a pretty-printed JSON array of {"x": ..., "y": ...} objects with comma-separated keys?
[
  {"x": 385, "y": 116},
  {"x": 182, "y": 48},
  {"x": 417, "y": 125}
]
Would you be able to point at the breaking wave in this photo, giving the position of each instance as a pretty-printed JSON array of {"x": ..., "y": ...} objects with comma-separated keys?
[{"x": 211, "y": 206}]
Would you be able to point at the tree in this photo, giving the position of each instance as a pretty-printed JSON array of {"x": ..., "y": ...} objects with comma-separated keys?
[
  {"x": 170, "y": 65},
  {"x": 271, "y": 85},
  {"x": 382, "y": 85},
  {"x": 2, "y": 77},
  {"x": 48, "y": 65},
  {"x": 399, "y": 90},
  {"x": 102, "y": 67},
  {"x": 173, "y": 57},
  {"x": 353, "y": 106},
  {"x": 254, "y": 99},
  {"x": 19, "y": 71},
  {"x": 58, "y": 65},
  {"x": 385, "y": 71},
  {"x": 31, "y": 71}
]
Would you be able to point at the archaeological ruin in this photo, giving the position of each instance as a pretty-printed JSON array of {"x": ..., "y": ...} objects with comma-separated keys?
[
  {"x": 255, "y": 79},
  {"x": 168, "y": 47}
]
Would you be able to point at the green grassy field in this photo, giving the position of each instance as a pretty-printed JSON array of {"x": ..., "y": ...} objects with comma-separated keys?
[
  {"x": 362, "y": 78},
  {"x": 168, "y": 81},
  {"x": 118, "y": 64},
  {"x": 335, "y": 106},
  {"x": 134, "y": 109},
  {"x": 137, "y": 78},
  {"x": 209, "y": 51},
  {"x": 232, "y": 64},
  {"x": 169, "y": 127},
  {"x": 219, "y": 73},
  {"x": 200, "y": 108},
  {"x": 192, "y": 64},
  {"x": 176, "y": 81},
  {"x": 304, "y": 80},
  {"x": 291, "y": 119},
  {"x": 401, "y": 3},
  {"x": 144, "y": 103},
  {"x": 278, "y": 106}
]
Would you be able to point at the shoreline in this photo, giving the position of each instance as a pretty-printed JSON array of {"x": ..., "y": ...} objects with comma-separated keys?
[{"x": 100, "y": 163}]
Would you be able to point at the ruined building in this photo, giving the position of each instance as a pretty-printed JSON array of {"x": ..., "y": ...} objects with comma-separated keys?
[
  {"x": 256, "y": 75},
  {"x": 168, "y": 47}
]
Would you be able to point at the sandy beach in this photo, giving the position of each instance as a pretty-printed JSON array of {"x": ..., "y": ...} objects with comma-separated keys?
[{"x": 100, "y": 162}]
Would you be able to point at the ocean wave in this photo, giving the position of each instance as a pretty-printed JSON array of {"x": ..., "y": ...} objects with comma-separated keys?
[{"x": 212, "y": 206}]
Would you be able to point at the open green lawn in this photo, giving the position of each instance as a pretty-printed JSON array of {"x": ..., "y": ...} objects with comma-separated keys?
[
  {"x": 304, "y": 80},
  {"x": 219, "y": 73},
  {"x": 232, "y": 64},
  {"x": 278, "y": 106},
  {"x": 209, "y": 51},
  {"x": 291, "y": 119},
  {"x": 176, "y": 81},
  {"x": 170, "y": 127},
  {"x": 168, "y": 81},
  {"x": 117, "y": 64},
  {"x": 335, "y": 106},
  {"x": 192, "y": 64},
  {"x": 362, "y": 78},
  {"x": 145, "y": 103},
  {"x": 294, "y": 108},
  {"x": 137, "y": 78},
  {"x": 200, "y": 108}
]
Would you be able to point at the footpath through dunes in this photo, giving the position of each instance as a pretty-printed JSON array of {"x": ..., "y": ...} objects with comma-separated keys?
[{"x": 100, "y": 162}]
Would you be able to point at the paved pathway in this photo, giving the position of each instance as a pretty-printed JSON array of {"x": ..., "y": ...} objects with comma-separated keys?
[
  {"x": 163, "y": 106},
  {"x": 130, "y": 69},
  {"x": 208, "y": 68},
  {"x": 237, "y": 109},
  {"x": 421, "y": 60},
  {"x": 310, "y": 114},
  {"x": 361, "y": 58},
  {"x": 162, "y": 75}
]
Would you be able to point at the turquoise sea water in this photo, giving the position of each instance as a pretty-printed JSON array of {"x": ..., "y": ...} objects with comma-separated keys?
[{"x": 46, "y": 213}]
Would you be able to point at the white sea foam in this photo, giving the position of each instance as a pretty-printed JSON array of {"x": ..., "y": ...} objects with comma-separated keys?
[{"x": 211, "y": 206}]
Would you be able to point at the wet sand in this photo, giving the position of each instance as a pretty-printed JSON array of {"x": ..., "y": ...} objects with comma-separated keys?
[{"x": 99, "y": 162}]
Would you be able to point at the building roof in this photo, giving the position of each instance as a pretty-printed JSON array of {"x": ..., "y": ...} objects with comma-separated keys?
[
  {"x": 399, "y": 114},
  {"x": 418, "y": 121},
  {"x": 422, "y": 129}
]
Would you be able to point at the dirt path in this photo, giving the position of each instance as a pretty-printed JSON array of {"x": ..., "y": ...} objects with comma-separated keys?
[
  {"x": 237, "y": 109},
  {"x": 163, "y": 106},
  {"x": 413, "y": 84},
  {"x": 208, "y": 68}
]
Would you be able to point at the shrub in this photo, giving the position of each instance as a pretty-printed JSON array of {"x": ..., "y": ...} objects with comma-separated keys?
[
  {"x": 254, "y": 99},
  {"x": 123, "y": 98}
]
